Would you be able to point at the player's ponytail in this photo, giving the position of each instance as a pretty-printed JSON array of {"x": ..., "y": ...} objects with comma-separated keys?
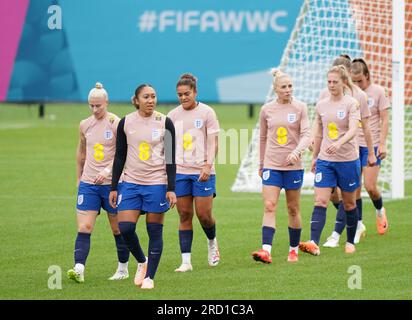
[
  {"x": 187, "y": 79},
  {"x": 98, "y": 92},
  {"x": 359, "y": 66}
]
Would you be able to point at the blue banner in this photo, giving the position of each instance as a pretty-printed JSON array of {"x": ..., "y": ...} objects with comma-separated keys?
[{"x": 229, "y": 45}]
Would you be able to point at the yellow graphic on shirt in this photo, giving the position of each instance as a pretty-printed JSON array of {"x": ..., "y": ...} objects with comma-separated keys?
[
  {"x": 187, "y": 141},
  {"x": 144, "y": 151},
  {"x": 98, "y": 152},
  {"x": 282, "y": 135},
  {"x": 333, "y": 131}
]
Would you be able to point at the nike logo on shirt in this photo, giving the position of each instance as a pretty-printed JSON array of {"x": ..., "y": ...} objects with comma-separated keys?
[{"x": 207, "y": 189}]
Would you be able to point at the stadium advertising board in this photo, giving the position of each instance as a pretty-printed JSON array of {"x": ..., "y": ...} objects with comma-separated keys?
[{"x": 57, "y": 50}]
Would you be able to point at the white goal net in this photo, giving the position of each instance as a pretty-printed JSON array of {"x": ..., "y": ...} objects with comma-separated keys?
[{"x": 324, "y": 30}]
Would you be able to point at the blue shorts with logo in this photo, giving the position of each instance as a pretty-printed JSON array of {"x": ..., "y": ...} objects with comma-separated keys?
[
  {"x": 147, "y": 198},
  {"x": 93, "y": 197},
  {"x": 363, "y": 156},
  {"x": 189, "y": 184},
  {"x": 346, "y": 175},
  {"x": 287, "y": 179}
]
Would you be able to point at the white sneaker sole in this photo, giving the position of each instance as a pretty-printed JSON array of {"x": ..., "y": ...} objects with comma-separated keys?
[
  {"x": 184, "y": 268},
  {"x": 119, "y": 277},
  {"x": 330, "y": 245}
]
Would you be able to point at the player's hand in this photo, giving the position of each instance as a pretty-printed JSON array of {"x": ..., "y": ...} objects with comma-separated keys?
[
  {"x": 113, "y": 199},
  {"x": 311, "y": 145},
  {"x": 382, "y": 151},
  {"x": 333, "y": 148},
  {"x": 171, "y": 197},
  {"x": 99, "y": 179},
  {"x": 371, "y": 160},
  {"x": 313, "y": 166},
  {"x": 101, "y": 176},
  {"x": 292, "y": 158},
  {"x": 205, "y": 173},
  {"x": 260, "y": 173}
]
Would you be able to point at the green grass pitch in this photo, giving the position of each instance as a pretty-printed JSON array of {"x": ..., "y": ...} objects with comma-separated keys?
[{"x": 38, "y": 229}]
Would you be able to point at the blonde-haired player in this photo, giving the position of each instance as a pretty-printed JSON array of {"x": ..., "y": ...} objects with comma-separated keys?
[
  {"x": 364, "y": 130},
  {"x": 284, "y": 135},
  {"x": 335, "y": 158},
  {"x": 378, "y": 105},
  {"x": 95, "y": 154}
]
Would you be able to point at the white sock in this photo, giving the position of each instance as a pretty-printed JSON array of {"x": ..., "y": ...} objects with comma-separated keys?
[
  {"x": 379, "y": 213},
  {"x": 123, "y": 266},
  {"x": 294, "y": 249},
  {"x": 186, "y": 257},
  {"x": 212, "y": 242},
  {"x": 79, "y": 268},
  {"x": 360, "y": 224},
  {"x": 267, "y": 247},
  {"x": 335, "y": 235}
]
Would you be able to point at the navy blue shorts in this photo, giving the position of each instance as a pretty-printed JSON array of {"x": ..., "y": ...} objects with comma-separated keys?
[
  {"x": 287, "y": 179},
  {"x": 346, "y": 175},
  {"x": 148, "y": 198},
  {"x": 189, "y": 184},
  {"x": 93, "y": 197},
  {"x": 363, "y": 155}
]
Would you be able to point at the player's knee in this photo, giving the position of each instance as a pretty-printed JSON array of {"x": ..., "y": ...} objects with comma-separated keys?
[
  {"x": 85, "y": 228},
  {"x": 270, "y": 207},
  {"x": 206, "y": 220},
  {"x": 293, "y": 211},
  {"x": 372, "y": 189},
  {"x": 185, "y": 216},
  {"x": 349, "y": 205},
  {"x": 127, "y": 228},
  {"x": 321, "y": 201}
]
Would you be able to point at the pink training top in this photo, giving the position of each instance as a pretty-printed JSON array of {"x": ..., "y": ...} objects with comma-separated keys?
[
  {"x": 284, "y": 128},
  {"x": 100, "y": 138},
  {"x": 192, "y": 128},
  {"x": 334, "y": 120},
  {"x": 145, "y": 161},
  {"x": 362, "y": 98},
  {"x": 377, "y": 102}
]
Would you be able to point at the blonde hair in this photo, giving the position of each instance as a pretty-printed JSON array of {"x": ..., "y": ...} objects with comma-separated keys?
[
  {"x": 277, "y": 74},
  {"x": 343, "y": 60},
  {"x": 344, "y": 76},
  {"x": 98, "y": 92}
]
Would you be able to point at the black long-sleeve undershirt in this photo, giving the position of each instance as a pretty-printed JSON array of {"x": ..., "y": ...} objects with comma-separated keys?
[{"x": 169, "y": 148}]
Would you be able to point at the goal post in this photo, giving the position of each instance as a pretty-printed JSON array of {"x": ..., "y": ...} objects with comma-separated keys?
[
  {"x": 398, "y": 98},
  {"x": 374, "y": 30}
]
